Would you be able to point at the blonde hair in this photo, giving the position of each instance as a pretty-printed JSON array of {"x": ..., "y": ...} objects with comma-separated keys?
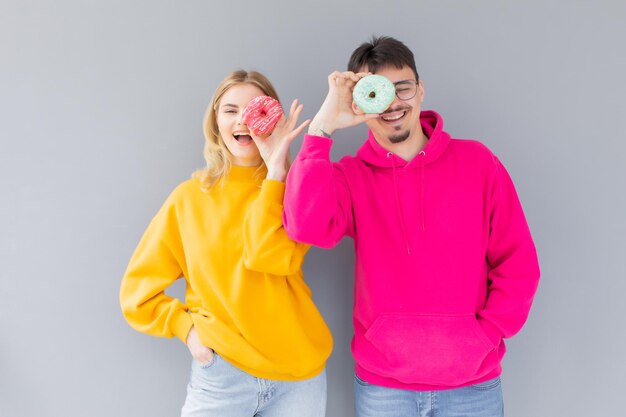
[{"x": 215, "y": 152}]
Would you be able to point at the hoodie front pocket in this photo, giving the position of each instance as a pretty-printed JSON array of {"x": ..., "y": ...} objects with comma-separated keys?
[{"x": 429, "y": 349}]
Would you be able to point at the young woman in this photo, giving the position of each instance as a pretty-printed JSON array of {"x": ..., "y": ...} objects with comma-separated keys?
[{"x": 259, "y": 344}]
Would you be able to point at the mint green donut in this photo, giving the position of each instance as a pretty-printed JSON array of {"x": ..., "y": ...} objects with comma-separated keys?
[{"x": 373, "y": 93}]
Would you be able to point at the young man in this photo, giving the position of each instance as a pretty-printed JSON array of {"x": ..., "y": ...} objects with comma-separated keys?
[{"x": 445, "y": 264}]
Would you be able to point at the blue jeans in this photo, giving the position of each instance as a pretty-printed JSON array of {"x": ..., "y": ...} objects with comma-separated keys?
[
  {"x": 480, "y": 400},
  {"x": 219, "y": 389}
]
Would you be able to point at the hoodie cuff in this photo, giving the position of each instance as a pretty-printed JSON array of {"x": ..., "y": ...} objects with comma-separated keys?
[
  {"x": 493, "y": 334},
  {"x": 181, "y": 325},
  {"x": 315, "y": 147}
]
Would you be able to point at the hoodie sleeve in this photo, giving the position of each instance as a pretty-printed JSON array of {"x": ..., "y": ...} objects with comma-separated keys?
[
  {"x": 154, "y": 266},
  {"x": 318, "y": 208},
  {"x": 512, "y": 261},
  {"x": 267, "y": 248}
]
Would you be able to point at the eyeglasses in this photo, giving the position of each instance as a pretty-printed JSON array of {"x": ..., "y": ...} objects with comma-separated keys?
[{"x": 406, "y": 89}]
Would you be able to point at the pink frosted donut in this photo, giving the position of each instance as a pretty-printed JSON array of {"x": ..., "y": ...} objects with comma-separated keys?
[{"x": 261, "y": 114}]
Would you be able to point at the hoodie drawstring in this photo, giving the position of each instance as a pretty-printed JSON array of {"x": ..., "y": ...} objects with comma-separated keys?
[
  {"x": 422, "y": 154},
  {"x": 398, "y": 207}
]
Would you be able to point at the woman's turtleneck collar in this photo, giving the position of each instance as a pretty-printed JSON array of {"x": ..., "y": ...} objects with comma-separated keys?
[{"x": 246, "y": 173}]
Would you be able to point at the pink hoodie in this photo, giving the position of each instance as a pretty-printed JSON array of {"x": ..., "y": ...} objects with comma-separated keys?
[{"x": 445, "y": 263}]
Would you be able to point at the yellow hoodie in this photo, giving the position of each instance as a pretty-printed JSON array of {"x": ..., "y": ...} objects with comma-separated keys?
[{"x": 245, "y": 296}]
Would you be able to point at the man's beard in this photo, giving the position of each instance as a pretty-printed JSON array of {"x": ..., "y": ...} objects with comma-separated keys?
[{"x": 400, "y": 137}]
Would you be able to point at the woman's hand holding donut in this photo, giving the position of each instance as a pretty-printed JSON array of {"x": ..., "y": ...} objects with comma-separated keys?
[
  {"x": 337, "y": 111},
  {"x": 200, "y": 352},
  {"x": 275, "y": 147}
]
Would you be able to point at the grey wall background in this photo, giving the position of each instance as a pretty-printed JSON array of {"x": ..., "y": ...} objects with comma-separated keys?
[{"x": 101, "y": 106}]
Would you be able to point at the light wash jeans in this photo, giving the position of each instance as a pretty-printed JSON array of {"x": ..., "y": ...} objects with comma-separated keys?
[
  {"x": 219, "y": 389},
  {"x": 480, "y": 400}
]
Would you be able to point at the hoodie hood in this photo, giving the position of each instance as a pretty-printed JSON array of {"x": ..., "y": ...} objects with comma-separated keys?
[{"x": 432, "y": 125}]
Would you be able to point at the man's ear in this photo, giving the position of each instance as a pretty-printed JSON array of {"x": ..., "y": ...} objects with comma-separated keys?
[{"x": 420, "y": 91}]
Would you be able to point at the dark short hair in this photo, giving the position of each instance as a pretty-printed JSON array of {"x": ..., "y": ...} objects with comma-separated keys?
[{"x": 381, "y": 52}]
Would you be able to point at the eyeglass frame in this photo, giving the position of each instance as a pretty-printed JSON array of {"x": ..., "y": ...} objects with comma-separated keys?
[{"x": 415, "y": 83}]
